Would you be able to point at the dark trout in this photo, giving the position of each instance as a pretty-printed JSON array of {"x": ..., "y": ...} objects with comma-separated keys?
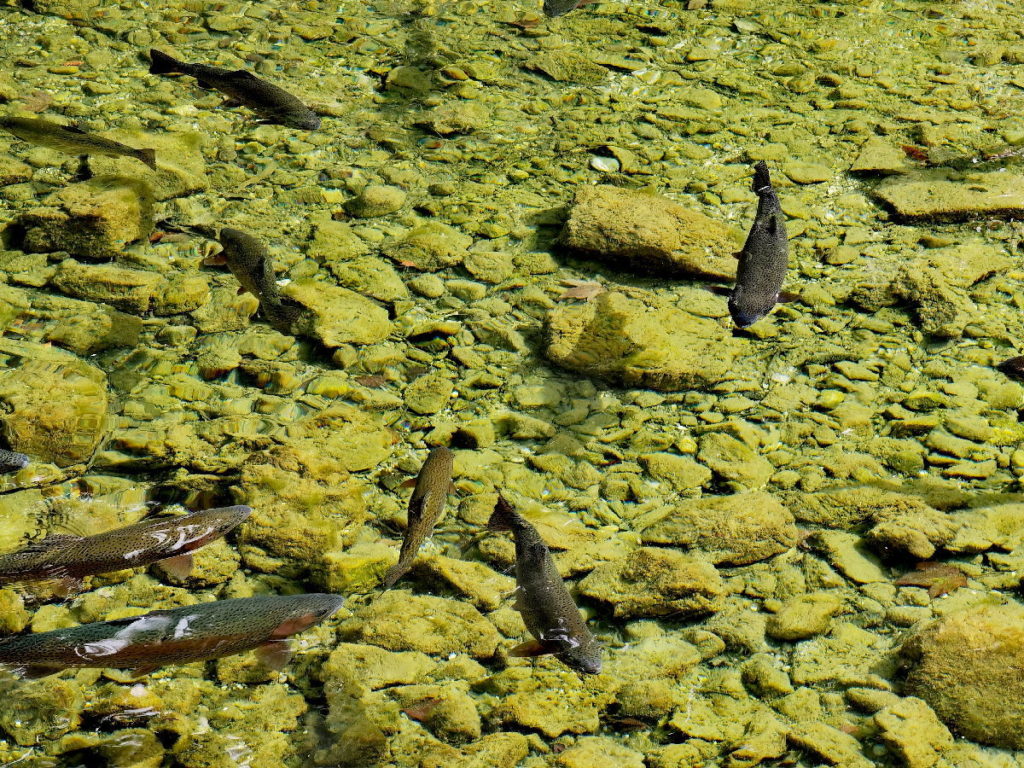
[
  {"x": 175, "y": 636},
  {"x": 559, "y": 7},
  {"x": 425, "y": 508},
  {"x": 764, "y": 258},
  {"x": 274, "y": 104},
  {"x": 73, "y": 140},
  {"x": 11, "y": 461},
  {"x": 67, "y": 559},
  {"x": 547, "y": 607},
  {"x": 251, "y": 264}
]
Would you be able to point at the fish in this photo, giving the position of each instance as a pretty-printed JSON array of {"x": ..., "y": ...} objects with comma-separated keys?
[
  {"x": 425, "y": 507},
  {"x": 71, "y": 139},
  {"x": 66, "y": 559},
  {"x": 173, "y": 636},
  {"x": 11, "y": 461},
  {"x": 1014, "y": 368},
  {"x": 764, "y": 258},
  {"x": 251, "y": 264},
  {"x": 547, "y": 608},
  {"x": 274, "y": 104},
  {"x": 559, "y": 7}
]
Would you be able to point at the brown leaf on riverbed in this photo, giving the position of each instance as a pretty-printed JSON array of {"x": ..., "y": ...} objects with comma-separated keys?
[
  {"x": 939, "y": 578},
  {"x": 582, "y": 289}
]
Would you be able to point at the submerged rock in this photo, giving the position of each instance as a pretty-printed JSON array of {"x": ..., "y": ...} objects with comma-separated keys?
[
  {"x": 131, "y": 290},
  {"x": 633, "y": 231},
  {"x": 966, "y": 667},
  {"x": 56, "y": 405},
  {"x": 880, "y": 155},
  {"x": 947, "y": 195},
  {"x": 94, "y": 219},
  {"x": 180, "y": 166},
  {"x": 911, "y": 730},
  {"x": 729, "y": 530},
  {"x": 337, "y": 315},
  {"x": 620, "y": 338},
  {"x": 546, "y": 697},
  {"x": 376, "y": 200},
  {"x": 430, "y": 247},
  {"x": 655, "y": 582}
]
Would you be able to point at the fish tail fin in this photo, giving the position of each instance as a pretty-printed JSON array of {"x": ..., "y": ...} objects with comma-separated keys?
[
  {"x": 393, "y": 574},
  {"x": 160, "y": 63},
  {"x": 503, "y": 518},
  {"x": 148, "y": 156},
  {"x": 761, "y": 178}
]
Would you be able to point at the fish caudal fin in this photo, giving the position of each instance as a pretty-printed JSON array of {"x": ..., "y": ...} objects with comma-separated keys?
[
  {"x": 761, "y": 178},
  {"x": 503, "y": 518},
  {"x": 161, "y": 64},
  {"x": 148, "y": 156}
]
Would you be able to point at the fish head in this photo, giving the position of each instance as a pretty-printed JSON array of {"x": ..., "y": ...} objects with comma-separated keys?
[
  {"x": 585, "y": 658},
  {"x": 747, "y": 308}
]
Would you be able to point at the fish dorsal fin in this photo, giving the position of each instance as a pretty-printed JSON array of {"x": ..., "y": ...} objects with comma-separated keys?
[
  {"x": 74, "y": 128},
  {"x": 244, "y": 74},
  {"x": 53, "y": 541},
  {"x": 416, "y": 509}
]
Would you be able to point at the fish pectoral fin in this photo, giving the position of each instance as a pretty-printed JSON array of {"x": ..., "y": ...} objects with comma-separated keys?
[
  {"x": 532, "y": 648},
  {"x": 229, "y": 102},
  {"x": 274, "y": 654},
  {"x": 410, "y": 483},
  {"x": 74, "y": 128},
  {"x": 66, "y": 586},
  {"x": 787, "y": 296},
  {"x": 451, "y": 488},
  {"x": 737, "y": 254},
  {"x": 215, "y": 260},
  {"x": 178, "y": 567},
  {"x": 204, "y": 85},
  {"x": 720, "y": 290}
]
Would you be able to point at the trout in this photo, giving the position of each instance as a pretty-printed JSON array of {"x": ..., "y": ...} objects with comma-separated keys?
[
  {"x": 764, "y": 258},
  {"x": 175, "y": 636},
  {"x": 66, "y": 559},
  {"x": 10, "y": 461},
  {"x": 425, "y": 508},
  {"x": 71, "y": 139},
  {"x": 274, "y": 104},
  {"x": 251, "y": 264},
  {"x": 546, "y": 606}
]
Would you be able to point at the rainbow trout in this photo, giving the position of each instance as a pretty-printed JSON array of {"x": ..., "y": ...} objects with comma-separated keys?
[
  {"x": 10, "y": 461},
  {"x": 274, "y": 104},
  {"x": 425, "y": 508},
  {"x": 174, "y": 636},
  {"x": 764, "y": 258},
  {"x": 68, "y": 559},
  {"x": 251, "y": 264},
  {"x": 547, "y": 607},
  {"x": 71, "y": 139},
  {"x": 559, "y": 7}
]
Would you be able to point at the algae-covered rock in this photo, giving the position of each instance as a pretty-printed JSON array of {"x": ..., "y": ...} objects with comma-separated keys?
[
  {"x": 400, "y": 621},
  {"x": 546, "y": 698},
  {"x": 599, "y": 752},
  {"x": 728, "y": 530},
  {"x": 964, "y": 666},
  {"x": 485, "y": 588},
  {"x": 734, "y": 460},
  {"x": 371, "y": 276},
  {"x": 131, "y": 290},
  {"x": 429, "y": 247},
  {"x": 447, "y": 711},
  {"x": 94, "y": 219},
  {"x": 180, "y": 166},
  {"x": 829, "y": 744},
  {"x": 804, "y": 616},
  {"x": 455, "y": 117},
  {"x": 564, "y": 65},
  {"x": 847, "y": 655},
  {"x": 56, "y": 405},
  {"x": 376, "y": 200},
  {"x": 337, "y": 315},
  {"x": 911, "y": 730},
  {"x": 633, "y": 231},
  {"x": 655, "y": 582},
  {"x": 35, "y": 712},
  {"x": 880, "y": 155},
  {"x": 13, "y": 616},
  {"x": 946, "y": 195},
  {"x": 680, "y": 472},
  {"x": 375, "y": 667},
  {"x": 620, "y": 338},
  {"x": 943, "y": 311},
  {"x": 429, "y": 394}
]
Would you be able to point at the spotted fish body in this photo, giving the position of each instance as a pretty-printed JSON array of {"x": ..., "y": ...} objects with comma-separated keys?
[
  {"x": 270, "y": 102},
  {"x": 175, "y": 636},
  {"x": 10, "y": 461},
  {"x": 71, "y": 139},
  {"x": 546, "y": 606},
  {"x": 560, "y": 7},
  {"x": 425, "y": 508},
  {"x": 70, "y": 558},
  {"x": 251, "y": 264},
  {"x": 764, "y": 258}
]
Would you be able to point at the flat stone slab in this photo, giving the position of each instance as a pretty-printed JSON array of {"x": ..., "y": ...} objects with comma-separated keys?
[{"x": 950, "y": 196}]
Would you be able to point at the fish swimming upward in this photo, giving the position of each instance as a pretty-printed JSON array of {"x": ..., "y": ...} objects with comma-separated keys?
[
  {"x": 559, "y": 7},
  {"x": 174, "y": 636},
  {"x": 764, "y": 258},
  {"x": 66, "y": 560},
  {"x": 274, "y": 104},
  {"x": 251, "y": 264},
  {"x": 546, "y": 606},
  {"x": 425, "y": 507},
  {"x": 71, "y": 139},
  {"x": 10, "y": 461}
]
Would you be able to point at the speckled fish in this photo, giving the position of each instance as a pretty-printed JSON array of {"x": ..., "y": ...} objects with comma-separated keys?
[
  {"x": 251, "y": 264},
  {"x": 559, "y": 7},
  {"x": 764, "y": 258},
  {"x": 175, "y": 636},
  {"x": 546, "y": 606},
  {"x": 71, "y": 139},
  {"x": 66, "y": 560},
  {"x": 1014, "y": 368},
  {"x": 425, "y": 507},
  {"x": 274, "y": 104},
  {"x": 10, "y": 461}
]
